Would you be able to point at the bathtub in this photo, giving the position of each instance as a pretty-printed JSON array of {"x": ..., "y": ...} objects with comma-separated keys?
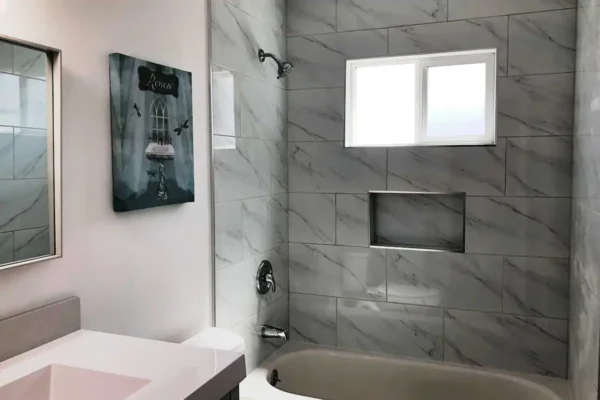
[{"x": 313, "y": 372}]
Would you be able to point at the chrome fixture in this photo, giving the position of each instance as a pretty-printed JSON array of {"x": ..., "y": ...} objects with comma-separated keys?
[
  {"x": 270, "y": 332},
  {"x": 283, "y": 67},
  {"x": 265, "y": 280}
]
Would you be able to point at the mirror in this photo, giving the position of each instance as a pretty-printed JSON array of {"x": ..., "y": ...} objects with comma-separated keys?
[{"x": 29, "y": 153}]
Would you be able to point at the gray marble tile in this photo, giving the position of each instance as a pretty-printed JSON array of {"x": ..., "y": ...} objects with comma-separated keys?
[
  {"x": 542, "y": 43},
  {"x": 228, "y": 234},
  {"x": 265, "y": 223},
  {"x": 419, "y": 221},
  {"x": 341, "y": 271},
  {"x": 23, "y": 102},
  {"x": 236, "y": 39},
  {"x": 539, "y": 166},
  {"x": 31, "y": 149},
  {"x": 29, "y": 62},
  {"x": 243, "y": 171},
  {"x": 392, "y": 329},
  {"x": 312, "y": 218},
  {"x": 522, "y": 344},
  {"x": 320, "y": 60},
  {"x": 372, "y": 14},
  {"x": 6, "y": 248},
  {"x": 331, "y": 168},
  {"x": 32, "y": 243},
  {"x": 585, "y": 251},
  {"x": 478, "y": 171},
  {"x": 445, "y": 280},
  {"x": 316, "y": 115},
  {"x": 7, "y": 146},
  {"x": 453, "y": 36},
  {"x": 464, "y": 9},
  {"x": 6, "y": 59},
  {"x": 225, "y": 98},
  {"x": 24, "y": 204},
  {"x": 539, "y": 105},
  {"x": 536, "y": 287},
  {"x": 313, "y": 319},
  {"x": 310, "y": 17},
  {"x": 263, "y": 109},
  {"x": 352, "y": 220},
  {"x": 518, "y": 226}
]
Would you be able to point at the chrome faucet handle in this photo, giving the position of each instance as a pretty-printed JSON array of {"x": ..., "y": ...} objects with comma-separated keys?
[{"x": 265, "y": 280}]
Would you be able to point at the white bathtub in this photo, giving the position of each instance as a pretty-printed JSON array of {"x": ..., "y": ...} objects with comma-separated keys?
[{"x": 312, "y": 372}]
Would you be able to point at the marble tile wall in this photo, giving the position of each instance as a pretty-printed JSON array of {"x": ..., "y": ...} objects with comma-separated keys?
[
  {"x": 24, "y": 209},
  {"x": 503, "y": 304},
  {"x": 584, "y": 328},
  {"x": 250, "y": 169}
]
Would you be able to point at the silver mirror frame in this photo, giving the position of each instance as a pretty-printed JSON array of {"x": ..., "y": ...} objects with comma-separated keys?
[{"x": 54, "y": 98}]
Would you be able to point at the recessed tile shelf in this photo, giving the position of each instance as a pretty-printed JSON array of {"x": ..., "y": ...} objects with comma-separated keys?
[{"x": 418, "y": 221}]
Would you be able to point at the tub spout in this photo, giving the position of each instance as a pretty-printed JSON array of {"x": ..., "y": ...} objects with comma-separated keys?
[{"x": 270, "y": 332}]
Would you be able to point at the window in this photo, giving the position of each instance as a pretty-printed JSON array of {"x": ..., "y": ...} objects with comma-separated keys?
[
  {"x": 446, "y": 99},
  {"x": 160, "y": 121}
]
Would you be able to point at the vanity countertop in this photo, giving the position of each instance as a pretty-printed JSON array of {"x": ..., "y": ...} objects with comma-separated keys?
[{"x": 174, "y": 371}]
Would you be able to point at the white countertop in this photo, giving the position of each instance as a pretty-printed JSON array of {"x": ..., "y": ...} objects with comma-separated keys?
[{"x": 175, "y": 371}]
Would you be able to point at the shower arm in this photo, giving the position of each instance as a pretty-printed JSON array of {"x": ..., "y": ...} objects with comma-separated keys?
[{"x": 262, "y": 56}]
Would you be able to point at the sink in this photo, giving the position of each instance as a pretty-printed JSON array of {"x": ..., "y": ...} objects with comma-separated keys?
[{"x": 59, "y": 382}]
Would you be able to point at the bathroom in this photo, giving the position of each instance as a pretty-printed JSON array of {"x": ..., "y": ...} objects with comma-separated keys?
[{"x": 463, "y": 269}]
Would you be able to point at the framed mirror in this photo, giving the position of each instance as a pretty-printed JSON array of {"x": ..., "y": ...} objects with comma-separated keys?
[{"x": 30, "y": 195}]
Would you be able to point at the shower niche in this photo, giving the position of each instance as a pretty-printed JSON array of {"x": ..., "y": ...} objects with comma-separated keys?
[{"x": 417, "y": 221}]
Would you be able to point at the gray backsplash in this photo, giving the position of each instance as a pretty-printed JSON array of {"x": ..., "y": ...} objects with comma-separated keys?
[{"x": 505, "y": 303}]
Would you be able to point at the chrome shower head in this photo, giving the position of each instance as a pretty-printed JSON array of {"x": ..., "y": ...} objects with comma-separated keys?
[{"x": 284, "y": 68}]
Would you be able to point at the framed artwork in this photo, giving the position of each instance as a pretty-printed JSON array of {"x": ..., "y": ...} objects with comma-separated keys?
[{"x": 152, "y": 134}]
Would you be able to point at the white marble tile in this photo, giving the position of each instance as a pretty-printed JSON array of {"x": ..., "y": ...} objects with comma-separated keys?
[
  {"x": 31, "y": 243},
  {"x": 310, "y": 17},
  {"x": 341, "y": 271},
  {"x": 225, "y": 98},
  {"x": 539, "y": 166},
  {"x": 371, "y": 14},
  {"x": 522, "y": 344},
  {"x": 24, "y": 204},
  {"x": 313, "y": 319},
  {"x": 331, "y": 168},
  {"x": 392, "y": 329},
  {"x": 419, "y": 221},
  {"x": 271, "y": 12},
  {"x": 6, "y": 248},
  {"x": 6, "y": 58},
  {"x": 278, "y": 150},
  {"x": 7, "y": 146},
  {"x": 461, "y": 281},
  {"x": 316, "y": 115},
  {"x": 464, "y": 9},
  {"x": 23, "y": 101},
  {"x": 31, "y": 150},
  {"x": 263, "y": 110},
  {"x": 320, "y": 60},
  {"x": 242, "y": 172},
  {"x": 536, "y": 286},
  {"x": 518, "y": 226},
  {"x": 585, "y": 252},
  {"x": 542, "y": 43},
  {"x": 478, "y": 171},
  {"x": 265, "y": 223},
  {"x": 453, "y": 36},
  {"x": 29, "y": 62},
  {"x": 312, "y": 218},
  {"x": 352, "y": 220},
  {"x": 228, "y": 234},
  {"x": 539, "y": 105}
]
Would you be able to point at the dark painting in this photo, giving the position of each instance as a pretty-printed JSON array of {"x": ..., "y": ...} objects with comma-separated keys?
[{"x": 152, "y": 134}]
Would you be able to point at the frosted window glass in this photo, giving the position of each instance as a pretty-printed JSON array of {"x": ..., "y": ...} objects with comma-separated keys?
[
  {"x": 385, "y": 105},
  {"x": 456, "y": 96}
]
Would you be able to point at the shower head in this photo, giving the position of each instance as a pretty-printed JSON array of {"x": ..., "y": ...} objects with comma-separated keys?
[{"x": 284, "y": 68}]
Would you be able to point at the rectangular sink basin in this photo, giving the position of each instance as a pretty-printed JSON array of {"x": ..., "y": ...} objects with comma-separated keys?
[{"x": 59, "y": 382}]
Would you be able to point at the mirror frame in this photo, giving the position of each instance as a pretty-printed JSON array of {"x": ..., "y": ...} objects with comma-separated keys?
[{"x": 54, "y": 99}]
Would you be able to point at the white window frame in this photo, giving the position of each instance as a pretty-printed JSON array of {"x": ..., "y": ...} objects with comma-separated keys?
[{"x": 422, "y": 62}]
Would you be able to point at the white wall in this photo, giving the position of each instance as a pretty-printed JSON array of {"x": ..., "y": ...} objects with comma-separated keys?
[{"x": 127, "y": 284}]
